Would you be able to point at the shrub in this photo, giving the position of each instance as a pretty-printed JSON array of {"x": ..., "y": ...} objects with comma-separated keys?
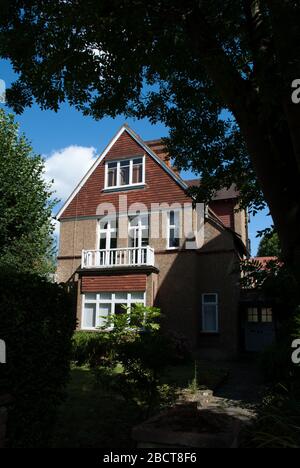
[
  {"x": 37, "y": 323},
  {"x": 277, "y": 422},
  {"x": 90, "y": 348},
  {"x": 134, "y": 345}
]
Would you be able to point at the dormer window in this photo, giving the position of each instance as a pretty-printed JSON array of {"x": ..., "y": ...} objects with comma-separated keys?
[{"x": 125, "y": 173}]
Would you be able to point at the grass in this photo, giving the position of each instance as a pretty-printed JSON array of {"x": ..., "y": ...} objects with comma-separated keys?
[
  {"x": 92, "y": 417},
  {"x": 209, "y": 375}
]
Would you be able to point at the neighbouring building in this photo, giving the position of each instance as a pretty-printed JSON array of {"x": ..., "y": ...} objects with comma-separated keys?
[{"x": 130, "y": 233}]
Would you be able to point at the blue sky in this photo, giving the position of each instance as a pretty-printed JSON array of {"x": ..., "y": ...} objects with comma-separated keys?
[{"x": 67, "y": 139}]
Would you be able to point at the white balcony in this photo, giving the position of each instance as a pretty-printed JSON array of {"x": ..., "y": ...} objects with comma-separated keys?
[{"x": 116, "y": 258}]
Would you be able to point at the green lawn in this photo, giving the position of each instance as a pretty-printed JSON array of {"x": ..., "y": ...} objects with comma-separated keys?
[{"x": 92, "y": 417}]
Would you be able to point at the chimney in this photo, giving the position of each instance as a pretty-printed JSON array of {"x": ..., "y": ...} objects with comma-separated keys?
[{"x": 158, "y": 147}]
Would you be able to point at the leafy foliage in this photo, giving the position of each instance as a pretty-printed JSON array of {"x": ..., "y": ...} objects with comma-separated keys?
[
  {"x": 269, "y": 246},
  {"x": 25, "y": 204},
  {"x": 133, "y": 343},
  {"x": 75, "y": 48},
  {"x": 37, "y": 323},
  {"x": 277, "y": 423}
]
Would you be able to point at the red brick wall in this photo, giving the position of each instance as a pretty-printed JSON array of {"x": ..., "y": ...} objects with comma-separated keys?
[
  {"x": 114, "y": 283},
  {"x": 160, "y": 186}
]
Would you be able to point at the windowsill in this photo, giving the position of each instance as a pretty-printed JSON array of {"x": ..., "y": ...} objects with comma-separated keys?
[
  {"x": 124, "y": 188},
  {"x": 213, "y": 333}
]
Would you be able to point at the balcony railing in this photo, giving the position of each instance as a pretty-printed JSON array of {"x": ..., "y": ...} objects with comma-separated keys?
[{"x": 113, "y": 258}]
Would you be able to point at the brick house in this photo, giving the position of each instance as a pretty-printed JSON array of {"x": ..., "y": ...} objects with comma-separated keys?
[{"x": 129, "y": 233}]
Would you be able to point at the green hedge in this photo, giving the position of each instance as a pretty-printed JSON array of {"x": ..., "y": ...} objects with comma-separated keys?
[{"x": 37, "y": 322}]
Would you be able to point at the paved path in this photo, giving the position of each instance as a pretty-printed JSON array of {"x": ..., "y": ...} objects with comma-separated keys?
[{"x": 244, "y": 386}]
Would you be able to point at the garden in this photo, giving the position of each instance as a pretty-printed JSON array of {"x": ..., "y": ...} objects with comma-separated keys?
[{"x": 122, "y": 377}]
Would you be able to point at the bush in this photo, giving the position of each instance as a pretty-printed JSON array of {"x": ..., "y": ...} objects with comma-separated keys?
[
  {"x": 277, "y": 422},
  {"x": 37, "y": 322},
  {"x": 135, "y": 345},
  {"x": 90, "y": 348}
]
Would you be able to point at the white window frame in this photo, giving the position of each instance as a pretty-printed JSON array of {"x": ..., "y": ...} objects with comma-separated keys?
[
  {"x": 216, "y": 304},
  {"x": 113, "y": 301},
  {"x": 138, "y": 229},
  {"x": 173, "y": 226},
  {"x": 109, "y": 231},
  {"x": 131, "y": 184}
]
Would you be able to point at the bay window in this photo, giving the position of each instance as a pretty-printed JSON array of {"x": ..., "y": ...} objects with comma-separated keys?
[{"x": 97, "y": 307}]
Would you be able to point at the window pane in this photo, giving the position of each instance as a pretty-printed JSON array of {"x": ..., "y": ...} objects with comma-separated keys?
[
  {"x": 124, "y": 175},
  {"x": 134, "y": 221},
  {"x": 103, "y": 225},
  {"x": 174, "y": 240},
  {"x": 136, "y": 162},
  {"x": 113, "y": 242},
  {"x": 121, "y": 296},
  {"x": 145, "y": 237},
  {"x": 267, "y": 315},
  {"x": 102, "y": 241},
  {"x": 144, "y": 220},
  {"x": 120, "y": 309},
  {"x": 172, "y": 218},
  {"x": 90, "y": 297},
  {"x": 112, "y": 177},
  {"x": 105, "y": 296},
  {"x": 137, "y": 174},
  {"x": 137, "y": 296},
  {"x": 252, "y": 314},
  {"x": 104, "y": 312},
  {"x": 209, "y": 318},
  {"x": 89, "y": 316},
  {"x": 209, "y": 298}
]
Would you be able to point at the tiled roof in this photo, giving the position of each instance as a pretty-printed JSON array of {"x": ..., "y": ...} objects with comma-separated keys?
[{"x": 223, "y": 194}]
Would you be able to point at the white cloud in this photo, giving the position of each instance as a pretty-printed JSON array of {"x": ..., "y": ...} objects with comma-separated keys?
[{"x": 67, "y": 166}]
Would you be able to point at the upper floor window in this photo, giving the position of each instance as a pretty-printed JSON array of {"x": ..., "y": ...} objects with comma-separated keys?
[
  {"x": 127, "y": 173},
  {"x": 173, "y": 230}
]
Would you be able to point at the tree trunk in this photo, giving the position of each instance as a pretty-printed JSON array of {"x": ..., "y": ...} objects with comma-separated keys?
[
  {"x": 273, "y": 142},
  {"x": 273, "y": 158}
]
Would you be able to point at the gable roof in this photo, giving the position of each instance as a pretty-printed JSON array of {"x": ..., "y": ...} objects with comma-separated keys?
[{"x": 144, "y": 146}]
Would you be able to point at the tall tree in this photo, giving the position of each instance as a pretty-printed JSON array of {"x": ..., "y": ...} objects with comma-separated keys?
[
  {"x": 25, "y": 204},
  {"x": 183, "y": 63},
  {"x": 269, "y": 245}
]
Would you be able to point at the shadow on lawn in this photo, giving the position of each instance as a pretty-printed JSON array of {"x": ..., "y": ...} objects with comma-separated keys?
[{"x": 94, "y": 418}]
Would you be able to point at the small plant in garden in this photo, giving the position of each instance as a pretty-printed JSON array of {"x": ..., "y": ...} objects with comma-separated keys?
[{"x": 194, "y": 385}]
